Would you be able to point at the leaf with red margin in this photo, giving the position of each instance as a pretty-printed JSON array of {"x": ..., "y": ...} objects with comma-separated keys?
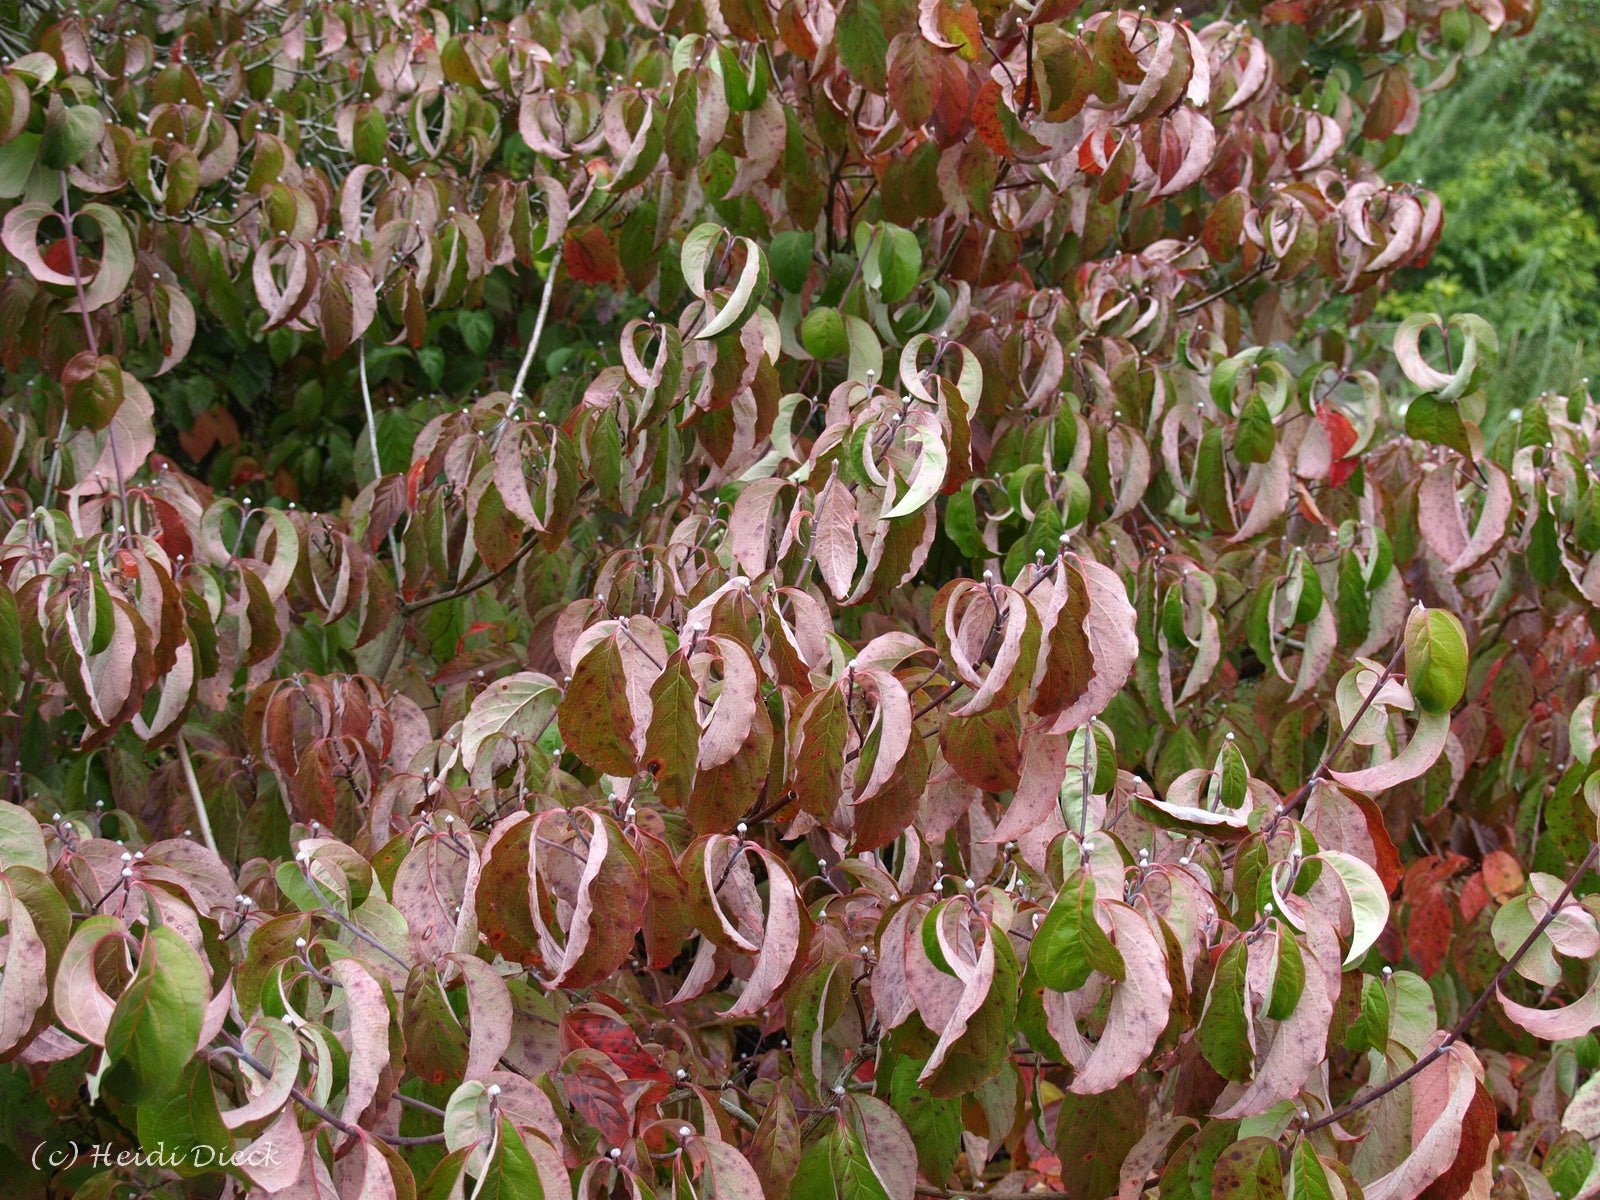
[{"x": 596, "y": 1027}]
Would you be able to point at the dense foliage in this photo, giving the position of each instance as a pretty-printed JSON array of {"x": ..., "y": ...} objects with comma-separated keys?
[
  {"x": 1513, "y": 150},
  {"x": 742, "y": 600}
]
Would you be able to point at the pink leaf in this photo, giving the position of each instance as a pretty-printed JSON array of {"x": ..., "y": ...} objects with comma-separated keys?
[
  {"x": 1139, "y": 1004},
  {"x": 368, "y": 1014},
  {"x": 1554, "y": 1024},
  {"x": 1440, "y": 1096},
  {"x": 1113, "y": 641},
  {"x": 833, "y": 537},
  {"x": 1427, "y": 740}
]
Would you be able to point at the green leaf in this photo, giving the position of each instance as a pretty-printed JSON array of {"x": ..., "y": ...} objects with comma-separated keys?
[
  {"x": 1370, "y": 1030},
  {"x": 1430, "y": 419},
  {"x": 1249, "y": 1170},
  {"x": 1369, "y": 903},
  {"x": 672, "y": 745},
  {"x": 1069, "y": 944},
  {"x": 1309, "y": 583},
  {"x": 837, "y": 1168},
  {"x": 790, "y": 259},
  {"x": 1210, "y": 481},
  {"x": 1308, "y": 1180},
  {"x": 1233, "y": 777},
  {"x": 186, "y": 1125},
  {"x": 94, "y": 390},
  {"x": 1436, "y": 658},
  {"x": 1289, "y": 980},
  {"x": 1093, "y": 1137},
  {"x": 863, "y": 43},
  {"x": 1353, "y": 608},
  {"x": 898, "y": 256},
  {"x": 1224, "y": 1030},
  {"x": 155, "y": 1027},
  {"x": 1225, "y": 377},
  {"x": 822, "y": 333},
  {"x": 1255, "y": 437},
  {"x": 21, "y": 842},
  {"x": 929, "y": 931},
  {"x": 961, "y": 524},
  {"x": 10, "y": 643},
  {"x": 1568, "y": 1164},
  {"x": 934, "y": 1123},
  {"x": 69, "y": 133},
  {"x": 510, "y": 1173},
  {"x": 477, "y": 330}
]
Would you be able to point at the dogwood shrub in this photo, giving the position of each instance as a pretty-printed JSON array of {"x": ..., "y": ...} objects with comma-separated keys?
[{"x": 742, "y": 600}]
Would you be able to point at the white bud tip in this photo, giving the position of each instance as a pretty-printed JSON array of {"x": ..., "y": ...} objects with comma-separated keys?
[
  {"x": 685, "y": 1131},
  {"x": 741, "y": 829},
  {"x": 493, "y": 1089}
]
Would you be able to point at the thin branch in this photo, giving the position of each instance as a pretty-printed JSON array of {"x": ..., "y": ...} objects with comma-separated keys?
[
  {"x": 937, "y": 700},
  {"x": 1459, "y": 1029},
  {"x": 466, "y": 589},
  {"x": 1304, "y": 790},
  {"x": 236, "y": 1048},
  {"x": 1261, "y": 269},
  {"x": 538, "y": 327},
  {"x": 196, "y": 797},
  {"x": 329, "y": 910}
]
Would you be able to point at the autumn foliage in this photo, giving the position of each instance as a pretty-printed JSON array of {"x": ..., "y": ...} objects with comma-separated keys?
[{"x": 743, "y": 600}]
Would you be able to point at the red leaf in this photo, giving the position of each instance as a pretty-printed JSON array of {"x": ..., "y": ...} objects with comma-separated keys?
[
  {"x": 600, "y": 1101},
  {"x": 1341, "y": 437},
  {"x": 613, "y": 1037},
  {"x": 590, "y": 256}
]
